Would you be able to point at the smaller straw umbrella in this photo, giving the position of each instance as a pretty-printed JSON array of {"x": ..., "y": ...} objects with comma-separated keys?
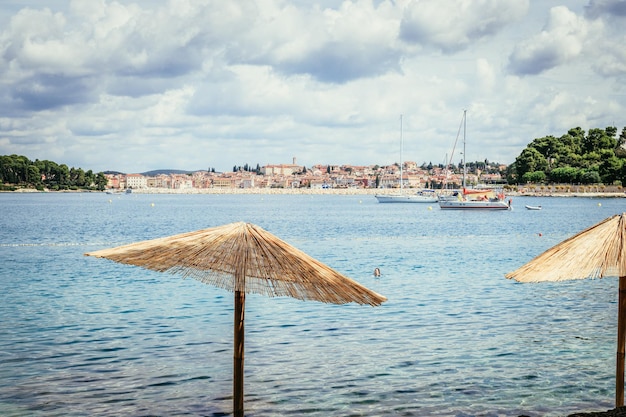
[
  {"x": 596, "y": 252},
  {"x": 242, "y": 257}
]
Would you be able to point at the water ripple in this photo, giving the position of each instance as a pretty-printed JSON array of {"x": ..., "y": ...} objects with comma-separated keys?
[{"x": 82, "y": 336}]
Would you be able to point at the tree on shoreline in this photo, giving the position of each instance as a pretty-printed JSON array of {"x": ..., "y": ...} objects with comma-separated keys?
[
  {"x": 597, "y": 156},
  {"x": 19, "y": 170},
  {"x": 593, "y": 157}
]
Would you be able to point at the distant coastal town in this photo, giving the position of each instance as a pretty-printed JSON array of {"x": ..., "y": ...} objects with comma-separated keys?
[
  {"x": 342, "y": 179},
  {"x": 317, "y": 177},
  {"x": 18, "y": 173}
]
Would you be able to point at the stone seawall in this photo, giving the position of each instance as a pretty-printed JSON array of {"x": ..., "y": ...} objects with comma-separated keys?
[
  {"x": 355, "y": 191},
  {"x": 328, "y": 191}
]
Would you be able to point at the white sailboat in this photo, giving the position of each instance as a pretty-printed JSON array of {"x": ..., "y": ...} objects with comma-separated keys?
[
  {"x": 474, "y": 199},
  {"x": 421, "y": 196}
]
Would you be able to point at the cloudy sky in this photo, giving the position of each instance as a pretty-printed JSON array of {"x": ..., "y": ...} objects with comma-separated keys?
[{"x": 191, "y": 84}]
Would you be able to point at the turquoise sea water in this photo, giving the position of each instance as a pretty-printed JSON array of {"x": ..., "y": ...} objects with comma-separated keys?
[{"x": 81, "y": 336}]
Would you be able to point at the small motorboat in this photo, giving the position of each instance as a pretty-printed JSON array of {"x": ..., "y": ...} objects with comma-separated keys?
[{"x": 533, "y": 207}]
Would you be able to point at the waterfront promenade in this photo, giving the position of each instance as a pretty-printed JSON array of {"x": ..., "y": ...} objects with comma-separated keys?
[
  {"x": 335, "y": 191},
  {"x": 359, "y": 191}
]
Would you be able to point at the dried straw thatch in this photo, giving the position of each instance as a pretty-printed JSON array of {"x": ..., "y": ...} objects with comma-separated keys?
[
  {"x": 596, "y": 252},
  {"x": 267, "y": 264},
  {"x": 243, "y": 258}
]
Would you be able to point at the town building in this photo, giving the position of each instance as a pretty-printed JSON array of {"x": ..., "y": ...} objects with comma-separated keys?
[
  {"x": 317, "y": 177},
  {"x": 136, "y": 181}
]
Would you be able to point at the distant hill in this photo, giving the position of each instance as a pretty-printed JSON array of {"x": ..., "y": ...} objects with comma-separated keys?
[{"x": 166, "y": 172}]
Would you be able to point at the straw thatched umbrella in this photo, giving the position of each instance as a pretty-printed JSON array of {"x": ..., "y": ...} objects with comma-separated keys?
[
  {"x": 596, "y": 252},
  {"x": 243, "y": 258}
]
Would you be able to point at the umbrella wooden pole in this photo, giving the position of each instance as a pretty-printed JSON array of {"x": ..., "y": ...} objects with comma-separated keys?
[
  {"x": 621, "y": 341},
  {"x": 240, "y": 298},
  {"x": 223, "y": 255}
]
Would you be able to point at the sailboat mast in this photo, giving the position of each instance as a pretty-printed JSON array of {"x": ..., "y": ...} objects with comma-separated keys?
[
  {"x": 401, "y": 148},
  {"x": 464, "y": 154}
]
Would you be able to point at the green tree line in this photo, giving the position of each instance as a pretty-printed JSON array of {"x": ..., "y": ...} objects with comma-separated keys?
[
  {"x": 247, "y": 168},
  {"x": 17, "y": 170},
  {"x": 596, "y": 156}
]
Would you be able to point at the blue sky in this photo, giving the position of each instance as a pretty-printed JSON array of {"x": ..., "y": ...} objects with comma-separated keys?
[{"x": 192, "y": 84}]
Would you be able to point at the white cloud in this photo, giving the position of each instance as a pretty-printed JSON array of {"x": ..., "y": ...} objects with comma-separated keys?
[
  {"x": 597, "y": 8},
  {"x": 607, "y": 53},
  {"x": 147, "y": 84},
  {"x": 561, "y": 41},
  {"x": 332, "y": 45},
  {"x": 453, "y": 25},
  {"x": 612, "y": 63},
  {"x": 486, "y": 75}
]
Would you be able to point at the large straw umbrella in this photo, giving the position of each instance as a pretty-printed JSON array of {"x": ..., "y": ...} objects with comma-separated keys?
[
  {"x": 243, "y": 258},
  {"x": 596, "y": 252}
]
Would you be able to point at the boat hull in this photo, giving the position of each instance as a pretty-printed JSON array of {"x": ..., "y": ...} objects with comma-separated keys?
[
  {"x": 405, "y": 199},
  {"x": 474, "y": 205}
]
